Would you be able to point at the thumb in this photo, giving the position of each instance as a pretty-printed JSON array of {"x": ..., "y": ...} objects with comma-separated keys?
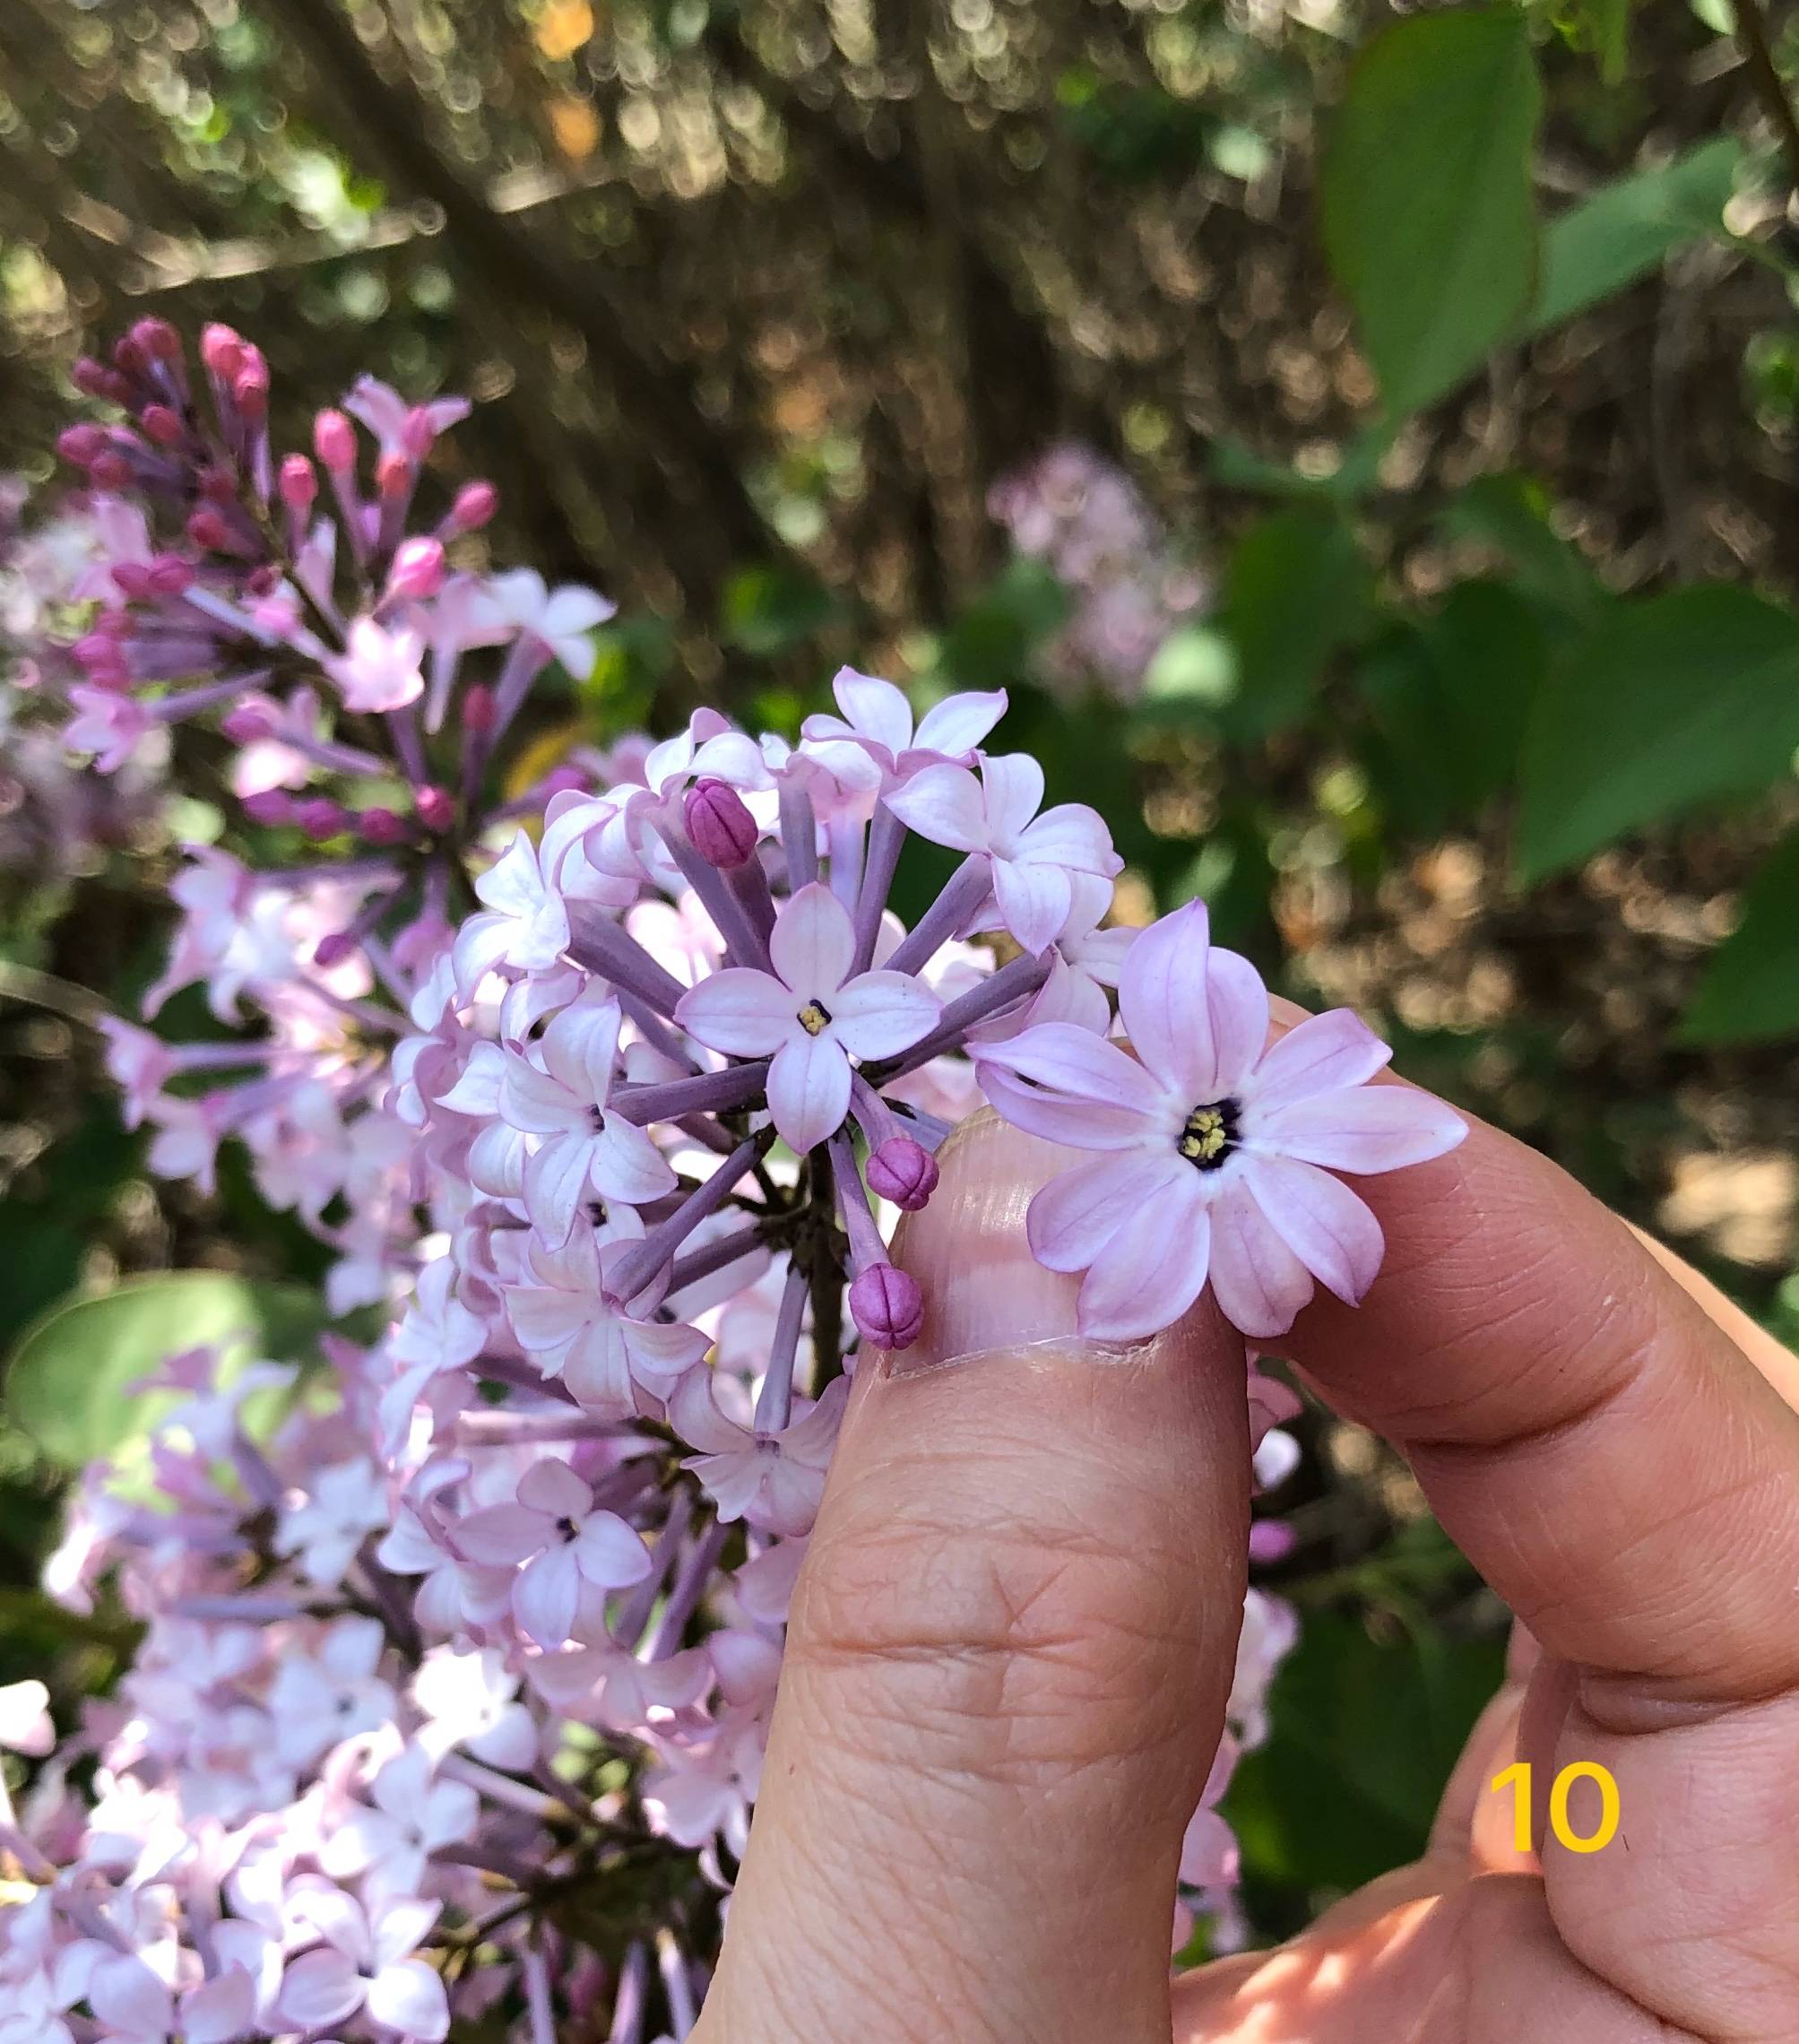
[{"x": 1007, "y": 1661}]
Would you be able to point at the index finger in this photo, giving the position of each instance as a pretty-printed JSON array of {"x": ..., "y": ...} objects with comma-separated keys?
[{"x": 1608, "y": 1459}]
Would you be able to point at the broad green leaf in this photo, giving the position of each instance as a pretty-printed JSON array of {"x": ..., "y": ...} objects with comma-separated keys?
[
  {"x": 1428, "y": 216},
  {"x": 1510, "y": 513},
  {"x": 1749, "y": 993},
  {"x": 68, "y": 1382},
  {"x": 1622, "y": 230},
  {"x": 1678, "y": 700},
  {"x": 1295, "y": 589}
]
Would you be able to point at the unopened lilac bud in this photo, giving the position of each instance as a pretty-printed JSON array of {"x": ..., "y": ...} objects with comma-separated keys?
[
  {"x": 82, "y": 445},
  {"x": 128, "y": 357},
  {"x": 218, "y": 481},
  {"x": 417, "y": 569},
  {"x": 208, "y": 530},
  {"x": 111, "y": 471},
  {"x": 478, "y": 708},
  {"x": 170, "y": 576},
  {"x": 132, "y": 578},
  {"x": 475, "y": 504},
  {"x": 720, "y": 826},
  {"x": 223, "y": 349},
  {"x": 379, "y": 827},
  {"x": 250, "y": 387},
  {"x": 248, "y": 723},
  {"x": 904, "y": 1172},
  {"x": 321, "y": 818},
  {"x": 158, "y": 339},
  {"x": 333, "y": 441},
  {"x": 436, "y": 809},
  {"x": 887, "y": 1307},
  {"x": 92, "y": 378},
  {"x": 393, "y": 474},
  {"x": 298, "y": 482},
  {"x": 332, "y": 949},
  {"x": 162, "y": 424},
  {"x": 269, "y": 806}
]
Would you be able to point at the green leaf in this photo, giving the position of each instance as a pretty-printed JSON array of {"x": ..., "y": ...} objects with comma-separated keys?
[
  {"x": 1428, "y": 216},
  {"x": 68, "y": 1383},
  {"x": 1623, "y": 230},
  {"x": 1749, "y": 993},
  {"x": 1510, "y": 513},
  {"x": 1678, "y": 700},
  {"x": 1294, "y": 591},
  {"x": 989, "y": 645}
]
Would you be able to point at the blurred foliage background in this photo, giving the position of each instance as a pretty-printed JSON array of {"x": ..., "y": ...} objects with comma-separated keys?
[{"x": 1363, "y": 442}]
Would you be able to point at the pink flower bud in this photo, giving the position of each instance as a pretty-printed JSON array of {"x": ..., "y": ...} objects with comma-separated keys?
[
  {"x": 163, "y": 425},
  {"x": 218, "y": 483},
  {"x": 269, "y": 806},
  {"x": 82, "y": 445},
  {"x": 128, "y": 357},
  {"x": 97, "y": 653},
  {"x": 417, "y": 569},
  {"x": 904, "y": 1172},
  {"x": 208, "y": 530},
  {"x": 131, "y": 578},
  {"x": 248, "y": 722},
  {"x": 158, "y": 339},
  {"x": 380, "y": 827},
  {"x": 223, "y": 349},
  {"x": 333, "y": 441},
  {"x": 475, "y": 502},
  {"x": 435, "y": 811},
  {"x": 887, "y": 1307},
  {"x": 92, "y": 378},
  {"x": 478, "y": 708},
  {"x": 170, "y": 576},
  {"x": 332, "y": 949},
  {"x": 298, "y": 482},
  {"x": 321, "y": 818},
  {"x": 250, "y": 387},
  {"x": 263, "y": 581},
  {"x": 111, "y": 471},
  {"x": 393, "y": 476},
  {"x": 721, "y": 828},
  {"x": 417, "y": 434}
]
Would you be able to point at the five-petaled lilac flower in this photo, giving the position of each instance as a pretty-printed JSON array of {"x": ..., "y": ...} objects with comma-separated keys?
[
  {"x": 1228, "y": 1146},
  {"x": 564, "y": 1543},
  {"x": 1035, "y": 857},
  {"x": 874, "y": 744},
  {"x": 810, "y": 1015}
]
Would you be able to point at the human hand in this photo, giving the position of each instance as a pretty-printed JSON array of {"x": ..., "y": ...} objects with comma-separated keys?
[{"x": 1014, "y": 1636}]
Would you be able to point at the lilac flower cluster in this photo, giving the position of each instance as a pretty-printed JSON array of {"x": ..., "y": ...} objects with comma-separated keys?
[
  {"x": 455, "y": 1679},
  {"x": 1088, "y": 520}
]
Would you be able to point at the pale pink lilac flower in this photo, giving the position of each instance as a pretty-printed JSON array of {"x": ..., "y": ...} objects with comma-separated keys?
[
  {"x": 1230, "y": 1145},
  {"x": 875, "y": 743},
  {"x": 378, "y": 668},
  {"x": 566, "y": 1545}
]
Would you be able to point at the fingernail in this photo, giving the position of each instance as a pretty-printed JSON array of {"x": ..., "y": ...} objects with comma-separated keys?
[{"x": 984, "y": 1290}]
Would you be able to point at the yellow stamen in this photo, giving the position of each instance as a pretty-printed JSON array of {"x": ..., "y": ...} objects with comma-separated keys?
[{"x": 813, "y": 1019}]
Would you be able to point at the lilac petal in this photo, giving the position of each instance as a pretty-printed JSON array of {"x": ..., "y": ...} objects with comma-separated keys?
[
  {"x": 1013, "y": 785},
  {"x": 661, "y": 1351},
  {"x": 808, "y": 1090},
  {"x": 320, "y": 1990},
  {"x": 499, "y": 1535},
  {"x": 1321, "y": 1054},
  {"x": 477, "y": 1090},
  {"x": 1073, "y": 1122},
  {"x": 878, "y": 1015},
  {"x": 495, "y": 1161},
  {"x": 944, "y": 804},
  {"x": 554, "y": 1489},
  {"x": 1374, "y": 1128},
  {"x": 545, "y": 1319},
  {"x": 874, "y": 708},
  {"x": 556, "y": 1183},
  {"x": 814, "y": 943},
  {"x": 743, "y": 1013},
  {"x": 1070, "y": 835},
  {"x": 1145, "y": 1277},
  {"x": 409, "y": 1997},
  {"x": 626, "y": 1164},
  {"x": 1259, "y": 1284},
  {"x": 1071, "y": 1220},
  {"x": 1033, "y": 901},
  {"x": 598, "y": 1370},
  {"x": 1078, "y": 1064},
  {"x": 610, "y": 1553},
  {"x": 546, "y": 1595},
  {"x": 1325, "y": 1225},
  {"x": 1197, "y": 1016},
  {"x": 535, "y": 1101},
  {"x": 956, "y": 725}
]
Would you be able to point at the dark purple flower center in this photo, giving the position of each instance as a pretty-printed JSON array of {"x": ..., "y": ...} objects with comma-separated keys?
[{"x": 1209, "y": 1135}]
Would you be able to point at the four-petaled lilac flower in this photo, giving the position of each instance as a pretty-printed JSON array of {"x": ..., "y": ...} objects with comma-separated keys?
[
  {"x": 774, "y": 1481},
  {"x": 366, "y": 1962},
  {"x": 564, "y": 1543},
  {"x": 378, "y": 669},
  {"x": 874, "y": 744},
  {"x": 1035, "y": 857},
  {"x": 559, "y": 620},
  {"x": 407, "y": 1817},
  {"x": 1229, "y": 1146},
  {"x": 810, "y": 1015}
]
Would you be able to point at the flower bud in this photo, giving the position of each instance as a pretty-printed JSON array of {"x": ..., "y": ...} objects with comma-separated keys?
[
  {"x": 111, "y": 471},
  {"x": 92, "y": 378},
  {"x": 250, "y": 387},
  {"x": 478, "y": 708},
  {"x": 223, "y": 349},
  {"x": 170, "y": 576},
  {"x": 321, "y": 818},
  {"x": 435, "y": 811},
  {"x": 333, "y": 441},
  {"x": 904, "y": 1172},
  {"x": 132, "y": 578},
  {"x": 719, "y": 825},
  {"x": 475, "y": 504},
  {"x": 82, "y": 445},
  {"x": 394, "y": 475},
  {"x": 208, "y": 530},
  {"x": 887, "y": 1307},
  {"x": 128, "y": 357},
  {"x": 269, "y": 806},
  {"x": 163, "y": 425},
  {"x": 417, "y": 569},
  {"x": 298, "y": 482},
  {"x": 332, "y": 949},
  {"x": 158, "y": 340},
  {"x": 380, "y": 827}
]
